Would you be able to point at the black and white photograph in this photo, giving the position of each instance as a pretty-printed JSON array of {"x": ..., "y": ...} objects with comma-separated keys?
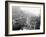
[{"x": 25, "y": 18}]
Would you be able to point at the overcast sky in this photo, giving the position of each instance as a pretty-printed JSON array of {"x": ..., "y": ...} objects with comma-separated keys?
[{"x": 28, "y": 10}]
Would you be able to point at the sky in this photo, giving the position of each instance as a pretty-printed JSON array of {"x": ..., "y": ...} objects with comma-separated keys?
[{"x": 31, "y": 10}]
